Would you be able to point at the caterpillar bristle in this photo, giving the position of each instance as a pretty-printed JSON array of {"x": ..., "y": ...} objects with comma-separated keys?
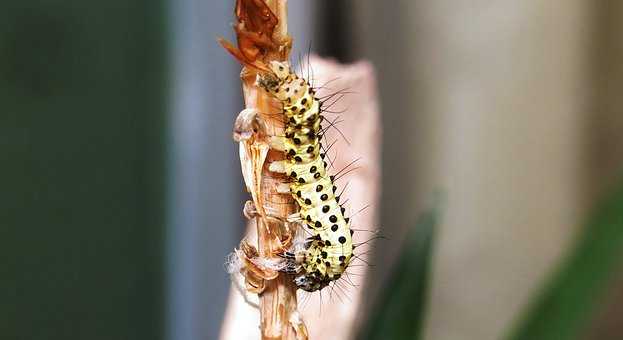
[
  {"x": 327, "y": 251},
  {"x": 376, "y": 237},
  {"x": 323, "y": 250}
]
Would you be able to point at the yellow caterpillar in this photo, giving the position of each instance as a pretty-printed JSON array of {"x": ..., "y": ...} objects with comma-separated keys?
[{"x": 329, "y": 248}]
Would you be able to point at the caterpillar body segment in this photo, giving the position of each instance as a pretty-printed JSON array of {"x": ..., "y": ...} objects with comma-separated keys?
[{"x": 328, "y": 250}]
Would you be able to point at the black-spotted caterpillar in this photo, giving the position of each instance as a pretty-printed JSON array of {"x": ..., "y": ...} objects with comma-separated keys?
[{"x": 329, "y": 248}]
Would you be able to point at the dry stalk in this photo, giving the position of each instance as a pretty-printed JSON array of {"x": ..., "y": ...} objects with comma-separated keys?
[{"x": 277, "y": 293}]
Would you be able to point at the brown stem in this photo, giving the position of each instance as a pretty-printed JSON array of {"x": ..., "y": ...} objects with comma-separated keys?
[{"x": 278, "y": 305}]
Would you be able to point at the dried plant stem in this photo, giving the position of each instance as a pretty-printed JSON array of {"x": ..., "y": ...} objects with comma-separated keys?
[{"x": 278, "y": 303}]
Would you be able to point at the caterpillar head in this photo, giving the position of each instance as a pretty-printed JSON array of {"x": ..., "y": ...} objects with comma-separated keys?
[
  {"x": 281, "y": 70},
  {"x": 311, "y": 282},
  {"x": 278, "y": 72}
]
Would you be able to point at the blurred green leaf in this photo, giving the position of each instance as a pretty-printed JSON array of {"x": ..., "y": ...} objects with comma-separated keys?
[
  {"x": 565, "y": 305},
  {"x": 83, "y": 137},
  {"x": 399, "y": 312}
]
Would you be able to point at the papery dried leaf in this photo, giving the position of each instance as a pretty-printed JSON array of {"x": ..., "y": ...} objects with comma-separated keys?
[
  {"x": 254, "y": 33},
  {"x": 252, "y": 157},
  {"x": 236, "y": 53},
  {"x": 255, "y": 275},
  {"x": 299, "y": 326},
  {"x": 256, "y": 16}
]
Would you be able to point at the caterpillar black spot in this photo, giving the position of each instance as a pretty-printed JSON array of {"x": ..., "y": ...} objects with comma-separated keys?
[{"x": 328, "y": 251}]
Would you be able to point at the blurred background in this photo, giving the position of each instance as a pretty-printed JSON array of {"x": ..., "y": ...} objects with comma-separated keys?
[{"x": 122, "y": 192}]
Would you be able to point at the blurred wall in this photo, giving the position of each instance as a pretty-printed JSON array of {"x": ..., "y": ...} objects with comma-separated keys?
[
  {"x": 604, "y": 152},
  {"x": 509, "y": 84},
  {"x": 204, "y": 221},
  {"x": 511, "y": 109}
]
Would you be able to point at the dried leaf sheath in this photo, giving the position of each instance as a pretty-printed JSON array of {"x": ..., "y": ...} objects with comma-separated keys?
[{"x": 262, "y": 36}]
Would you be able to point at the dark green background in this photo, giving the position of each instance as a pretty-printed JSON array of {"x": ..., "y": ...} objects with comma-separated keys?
[{"x": 82, "y": 110}]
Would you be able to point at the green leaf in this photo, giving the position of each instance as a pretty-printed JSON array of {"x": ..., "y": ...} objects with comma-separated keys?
[
  {"x": 399, "y": 312},
  {"x": 564, "y": 307}
]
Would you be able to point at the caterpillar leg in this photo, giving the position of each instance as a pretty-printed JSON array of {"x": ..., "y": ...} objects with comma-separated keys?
[
  {"x": 294, "y": 218},
  {"x": 278, "y": 166},
  {"x": 283, "y": 188},
  {"x": 278, "y": 143}
]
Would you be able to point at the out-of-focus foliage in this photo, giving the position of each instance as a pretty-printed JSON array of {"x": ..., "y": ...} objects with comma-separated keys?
[
  {"x": 83, "y": 91},
  {"x": 562, "y": 310},
  {"x": 398, "y": 314},
  {"x": 564, "y": 307}
]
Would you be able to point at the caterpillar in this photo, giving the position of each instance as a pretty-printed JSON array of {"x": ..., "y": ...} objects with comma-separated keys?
[{"x": 328, "y": 250}]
